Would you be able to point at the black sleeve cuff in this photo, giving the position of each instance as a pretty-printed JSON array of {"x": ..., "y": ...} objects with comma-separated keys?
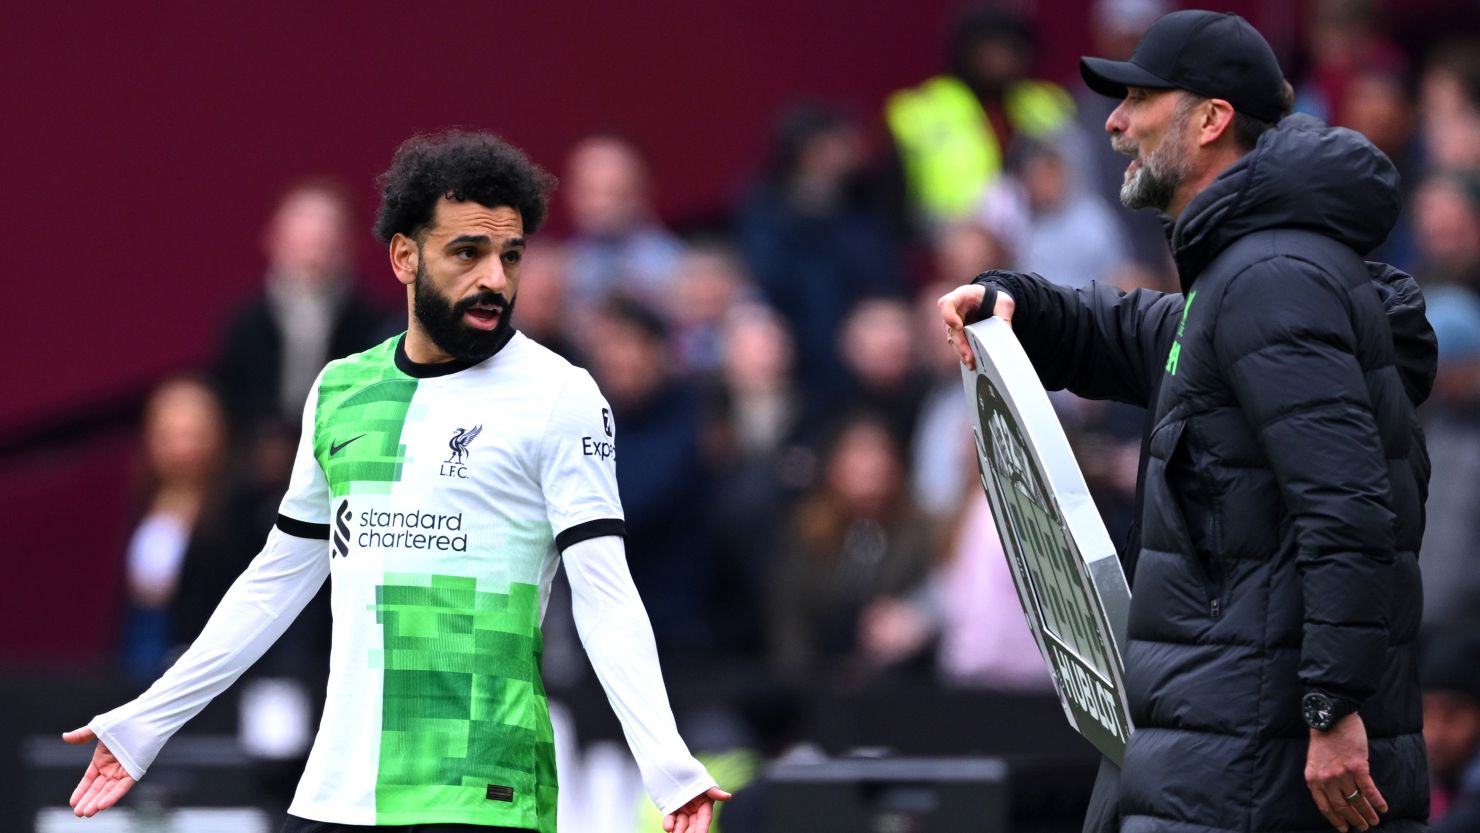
[
  {"x": 586, "y": 531},
  {"x": 302, "y": 529}
]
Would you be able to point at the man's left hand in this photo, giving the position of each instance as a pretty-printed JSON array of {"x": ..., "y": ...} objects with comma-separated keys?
[
  {"x": 694, "y": 816},
  {"x": 1336, "y": 767}
]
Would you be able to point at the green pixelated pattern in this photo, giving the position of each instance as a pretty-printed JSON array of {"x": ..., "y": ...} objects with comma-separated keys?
[
  {"x": 362, "y": 406},
  {"x": 464, "y": 708}
]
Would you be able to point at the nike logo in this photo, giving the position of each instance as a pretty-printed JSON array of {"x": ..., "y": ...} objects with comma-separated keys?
[{"x": 335, "y": 448}]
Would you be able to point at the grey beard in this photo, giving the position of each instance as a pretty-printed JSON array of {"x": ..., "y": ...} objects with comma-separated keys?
[{"x": 1153, "y": 184}]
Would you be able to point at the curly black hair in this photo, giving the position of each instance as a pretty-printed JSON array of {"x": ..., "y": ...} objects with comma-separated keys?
[{"x": 460, "y": 165}]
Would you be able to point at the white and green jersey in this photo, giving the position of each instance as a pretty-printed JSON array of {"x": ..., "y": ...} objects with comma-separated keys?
[
  {"x": 444, "y": 489},
  {"x": 445, "y": 494}
]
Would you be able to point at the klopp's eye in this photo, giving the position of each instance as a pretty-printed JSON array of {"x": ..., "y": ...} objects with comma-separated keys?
[
  {"x": 465, "y": 254},
  {"x": 513, "y": 257}
]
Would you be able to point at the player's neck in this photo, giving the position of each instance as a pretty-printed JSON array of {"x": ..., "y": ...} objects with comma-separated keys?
[{"x": 420, "y": 348}]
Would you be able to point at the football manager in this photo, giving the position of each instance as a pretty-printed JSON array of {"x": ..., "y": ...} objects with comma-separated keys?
[{"x": 1270, "y": 658}]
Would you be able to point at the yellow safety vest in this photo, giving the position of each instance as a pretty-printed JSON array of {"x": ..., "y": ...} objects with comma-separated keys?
[{"x": 950, "y": 153}]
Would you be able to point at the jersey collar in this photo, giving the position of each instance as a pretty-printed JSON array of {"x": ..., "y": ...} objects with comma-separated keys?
[{"x": 430, "y": 370}]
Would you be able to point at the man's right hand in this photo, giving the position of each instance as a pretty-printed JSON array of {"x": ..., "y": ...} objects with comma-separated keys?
[
  {"x": 105, "y": 781},
  {"x": 1336, "y": 767},
  {"x": 962, "y": 306}
]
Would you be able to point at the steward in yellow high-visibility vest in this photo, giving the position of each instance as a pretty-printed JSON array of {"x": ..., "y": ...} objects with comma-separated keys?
[{"x": 946, "y": 143}]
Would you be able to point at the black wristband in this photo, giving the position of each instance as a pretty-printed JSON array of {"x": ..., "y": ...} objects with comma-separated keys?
[{"x": 989, "y": 300}]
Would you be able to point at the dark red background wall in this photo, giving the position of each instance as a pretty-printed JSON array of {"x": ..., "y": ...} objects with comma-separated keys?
[{"x": 143, "y": 144}]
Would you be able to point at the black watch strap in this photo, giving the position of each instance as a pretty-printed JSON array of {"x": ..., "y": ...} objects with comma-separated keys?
[{"x": 1321, "y": 709}]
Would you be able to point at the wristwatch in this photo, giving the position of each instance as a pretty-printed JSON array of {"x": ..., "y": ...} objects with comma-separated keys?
[{"x": 1322, "y": 710}]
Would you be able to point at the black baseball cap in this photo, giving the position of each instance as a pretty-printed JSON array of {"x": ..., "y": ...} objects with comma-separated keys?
[{"x": 1212, "y": 54}]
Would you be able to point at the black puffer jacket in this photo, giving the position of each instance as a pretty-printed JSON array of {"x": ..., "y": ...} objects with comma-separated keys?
[{"x": 1282, "y": 487}]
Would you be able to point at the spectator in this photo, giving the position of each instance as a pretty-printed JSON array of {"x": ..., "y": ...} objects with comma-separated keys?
[
  {"x": 1116, "y": 28},
  {"x": 970, "y": 603},
  {"x": 952, "y": 133},
  {"x": 184, "y": 439},
  {"x": 1451, "y": 563},
  {"x": 659, "y": 470},
  {"x": 1345, "y": 41},
  {"x": 709, "y": 281},
  {"x": 1065, "y": 230},
  {"x": 938, "y": 479},
  {"x": 1379, "y": 105},
  {"x": 852, "y": 541},
  {"x": 542, "y": 300},
  {"x": 1447, "y": 227},
  {"x": 759, "y": 435},
  {"x": 877, "y": 347},
  {"x": 309, "y": 312},
  {"x": 808, "y": 235},
  {"x": 1449, "y": 102},
  {"x": 618, "y": 244},
  {"x": 1451, "y": 730}
]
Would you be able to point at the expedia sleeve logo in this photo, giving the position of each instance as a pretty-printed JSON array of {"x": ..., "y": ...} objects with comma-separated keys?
[{"x": 604, "y": 449}]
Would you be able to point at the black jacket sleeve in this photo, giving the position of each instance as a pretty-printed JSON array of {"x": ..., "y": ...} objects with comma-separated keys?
[
  {"x": 1097, "y": 341},
  {"x": 1286, "y": 343}
]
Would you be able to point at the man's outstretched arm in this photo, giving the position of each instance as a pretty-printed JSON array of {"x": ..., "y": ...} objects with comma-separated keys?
[
  {"x": 614, "y": 628},
  {"x": 267, "y": 597},
  {"x": 1096, "y": 341}
]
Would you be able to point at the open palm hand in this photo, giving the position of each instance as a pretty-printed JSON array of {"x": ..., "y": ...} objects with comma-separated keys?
[{"x": 104, "y": 783}]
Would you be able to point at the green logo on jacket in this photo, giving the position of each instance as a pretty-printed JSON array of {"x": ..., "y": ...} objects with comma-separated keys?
[{"x": 1176, "y": 352}]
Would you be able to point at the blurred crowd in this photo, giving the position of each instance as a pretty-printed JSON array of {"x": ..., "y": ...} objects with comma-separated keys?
[{"x": 794, "y": 455}]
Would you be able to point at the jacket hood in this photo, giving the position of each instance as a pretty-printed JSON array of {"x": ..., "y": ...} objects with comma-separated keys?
[
  {"x": 1415, "y": 348},
  {"x": 1302, "y": 174}
]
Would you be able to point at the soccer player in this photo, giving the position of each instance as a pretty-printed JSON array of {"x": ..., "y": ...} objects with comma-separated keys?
[{"x": 441, "y": 478}]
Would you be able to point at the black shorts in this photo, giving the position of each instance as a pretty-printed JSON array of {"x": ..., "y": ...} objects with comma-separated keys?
[{"x": 298, "y": 825}]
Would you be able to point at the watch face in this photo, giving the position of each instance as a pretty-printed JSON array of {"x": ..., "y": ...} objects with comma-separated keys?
[{"x": 1319, "y": 712}]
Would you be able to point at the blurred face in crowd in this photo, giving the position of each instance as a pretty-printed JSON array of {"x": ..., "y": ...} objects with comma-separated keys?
[
  {"x": 1451, "y": 122},
  {"x": 1153, "y": 127},
  {"x": 876, "y": 343},
  {"x": 706, "y": 286},
  {"x": 758, "y": 351},
  {"x": 1447, "y": 225},
  {"x": 542, "y": 290},
  {"x": 827, "y": 159},
  {"x": 184, "y": 432},
  {"x": 462, "y": 276},
  {"x": 1377, "y": 107},
  {"x": 606, "y": 187},
  {"x": 1046, "y": 180},
  {"x": 631, "y": 363},
  {"x": 307, "y": 239},
  {"x": 864, "y": 471},
  {"x": 964, "y": 250},
  {"x": 1451, "y": 729},
  {"x": 995, "y": 62}
]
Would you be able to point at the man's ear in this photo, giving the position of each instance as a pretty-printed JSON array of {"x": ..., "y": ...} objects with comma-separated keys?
[
  {"x": 1215, "y": 121},
  {"x": 405, "y": 256}
]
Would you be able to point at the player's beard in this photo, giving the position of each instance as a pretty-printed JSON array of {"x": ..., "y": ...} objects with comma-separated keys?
[
  {"x": 442, "y": 320},
  {"x": 1155, "y": 181}
]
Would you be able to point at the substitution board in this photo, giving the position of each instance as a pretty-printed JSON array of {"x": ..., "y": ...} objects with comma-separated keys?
[{"x": 1063, "y": 562}]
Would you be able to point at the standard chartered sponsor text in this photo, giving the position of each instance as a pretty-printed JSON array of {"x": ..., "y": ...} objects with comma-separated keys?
[{"x": 412, "y": 530}]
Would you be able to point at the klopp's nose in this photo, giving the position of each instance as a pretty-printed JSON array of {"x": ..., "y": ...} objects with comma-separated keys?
[{"x": 1115, "y": 122}]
